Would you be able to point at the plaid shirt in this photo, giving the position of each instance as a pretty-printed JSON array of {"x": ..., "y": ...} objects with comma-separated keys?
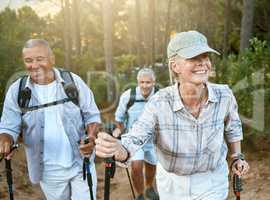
[{"x": 186, "y": 145}]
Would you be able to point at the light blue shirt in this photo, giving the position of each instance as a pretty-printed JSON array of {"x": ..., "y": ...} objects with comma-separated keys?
[
  {"x": 54, "y": 131},
  {"x": 31, "y": 124},
  {"x": 134, "y": 111}
]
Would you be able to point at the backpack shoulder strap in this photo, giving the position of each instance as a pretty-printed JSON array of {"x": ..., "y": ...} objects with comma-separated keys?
[
  {"x": 24, "y": 94},
  {"x": 132, "y": 98},
  {"x": 156, "y": 89},
  {"x": 69, "y": 86}
]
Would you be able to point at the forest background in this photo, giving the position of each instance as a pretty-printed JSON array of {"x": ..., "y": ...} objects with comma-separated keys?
[{"x": 107, "y": 41}]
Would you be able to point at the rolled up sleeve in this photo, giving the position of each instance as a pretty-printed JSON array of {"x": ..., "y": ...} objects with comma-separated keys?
[
  {"x": 11, "y": 115},
  {"x": 233, "y": 125},
  {"x": 142, "y": 130}
]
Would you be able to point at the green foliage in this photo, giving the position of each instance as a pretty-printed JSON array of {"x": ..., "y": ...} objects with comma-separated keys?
[
  {"x": 206, "y": 16},
  {"x": 247, "y": 73},
  {"x": 15, "y": 29},
  {"x": 124, "y": 63}
]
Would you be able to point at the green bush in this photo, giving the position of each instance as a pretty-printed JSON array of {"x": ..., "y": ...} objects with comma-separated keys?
[{"x": 246, "y": 74}]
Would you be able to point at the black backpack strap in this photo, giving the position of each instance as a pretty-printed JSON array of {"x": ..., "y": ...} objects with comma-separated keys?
[
  {"x": 156, "y": 89},
  {"x": 69, "y": 86},
  {"x": 24, "y": 93},
  {"x": 132, "y": 98}
]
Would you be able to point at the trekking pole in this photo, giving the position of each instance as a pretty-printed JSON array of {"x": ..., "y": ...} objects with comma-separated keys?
[
  {"x": 237, "y": 186},
  {"x": 9, "y": 173},
  {"x": 129, "y": 178},
  {"x": 109, "y": 167},
  {"x": 9, "y": 178},
  {"x": 87, "y": 173},
  {"x": 130, "y": 183},
  {"x": 109, "y": 173}
]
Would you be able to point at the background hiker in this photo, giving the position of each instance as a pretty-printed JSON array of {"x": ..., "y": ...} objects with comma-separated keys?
[
  {"x": 130, "y": 106},
  {"x": 51, "y": 131},
  {"x": 192, "y": 123}
]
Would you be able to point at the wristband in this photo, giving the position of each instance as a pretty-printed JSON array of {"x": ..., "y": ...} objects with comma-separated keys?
[{"x": 238, "y": 156}]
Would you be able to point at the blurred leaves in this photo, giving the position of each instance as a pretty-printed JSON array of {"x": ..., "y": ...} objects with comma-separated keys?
[{"x": 206, "y": 16}]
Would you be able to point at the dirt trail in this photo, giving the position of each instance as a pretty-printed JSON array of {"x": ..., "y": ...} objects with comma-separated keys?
[{"x": 256, "y": 184}]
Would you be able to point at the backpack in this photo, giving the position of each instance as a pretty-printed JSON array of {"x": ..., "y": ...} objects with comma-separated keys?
[
  {"x": 24, "y": 93},
  {"x": 132, "y": 98}
]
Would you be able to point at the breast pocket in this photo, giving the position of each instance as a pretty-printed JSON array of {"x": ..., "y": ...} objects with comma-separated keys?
[
  {"x": 31, "y": 127},
  {"x": 215, "y": 139},
  {"x": 72, "y": 120},
  {"x": 212, "y": 143}
]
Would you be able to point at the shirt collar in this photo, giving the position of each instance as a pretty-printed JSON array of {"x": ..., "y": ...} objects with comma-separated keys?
[
  {"x": 177, "y": 101},
  {"x": 57, "y": 76},
  {"x": 212, "y": 96}
]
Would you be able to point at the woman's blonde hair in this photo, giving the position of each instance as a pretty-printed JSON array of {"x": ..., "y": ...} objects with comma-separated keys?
[{"x": 173, "y": 75}]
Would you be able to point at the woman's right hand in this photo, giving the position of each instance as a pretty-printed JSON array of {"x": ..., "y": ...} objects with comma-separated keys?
[
  {"x": 108, "y": 146},
  {"x": 116, "y": 132}
]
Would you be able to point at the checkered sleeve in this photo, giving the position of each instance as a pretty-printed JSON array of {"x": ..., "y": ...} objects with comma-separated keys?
[
  {"x": 233, "y": 125},
  {"x": 142, "y": 130}
]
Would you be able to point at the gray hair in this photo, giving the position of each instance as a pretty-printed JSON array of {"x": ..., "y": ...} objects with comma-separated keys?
[
  {"x": 146, "y": 72},
  {"x": 38, "y": 42}
]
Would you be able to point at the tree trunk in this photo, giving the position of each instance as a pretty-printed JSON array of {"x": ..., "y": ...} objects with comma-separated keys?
[
  {"x": 152, "y": 12},
  {"x": 76, "y": 25},
  {"x": 227, "y": 27},
  {"x": 247, "y": 23},
  {"x": 67, "y": 39},
  {"x": 167, "y": 30},
  {"x": 107, "y": 24},
  {"x": 139, "y": 33}
]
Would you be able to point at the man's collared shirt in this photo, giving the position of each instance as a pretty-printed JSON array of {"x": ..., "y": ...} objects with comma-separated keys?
[
  {"x": 31, "y": 124},
  {"x": 186, "y": 145}
]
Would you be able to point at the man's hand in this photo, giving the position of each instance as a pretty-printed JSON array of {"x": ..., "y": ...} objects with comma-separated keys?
[
  {"x": 6, "y": 142},
  {"x": 108, "y": 146},
  {"x": 86, "y": 148}
]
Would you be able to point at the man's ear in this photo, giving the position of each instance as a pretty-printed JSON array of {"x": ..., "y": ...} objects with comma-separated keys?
[{"x": 52, "y": 59}]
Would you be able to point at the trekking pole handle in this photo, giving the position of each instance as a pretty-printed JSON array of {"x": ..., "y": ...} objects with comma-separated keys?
[
  {"x": 13, "y": 147},
  {"x": 237, "y": 186}
]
